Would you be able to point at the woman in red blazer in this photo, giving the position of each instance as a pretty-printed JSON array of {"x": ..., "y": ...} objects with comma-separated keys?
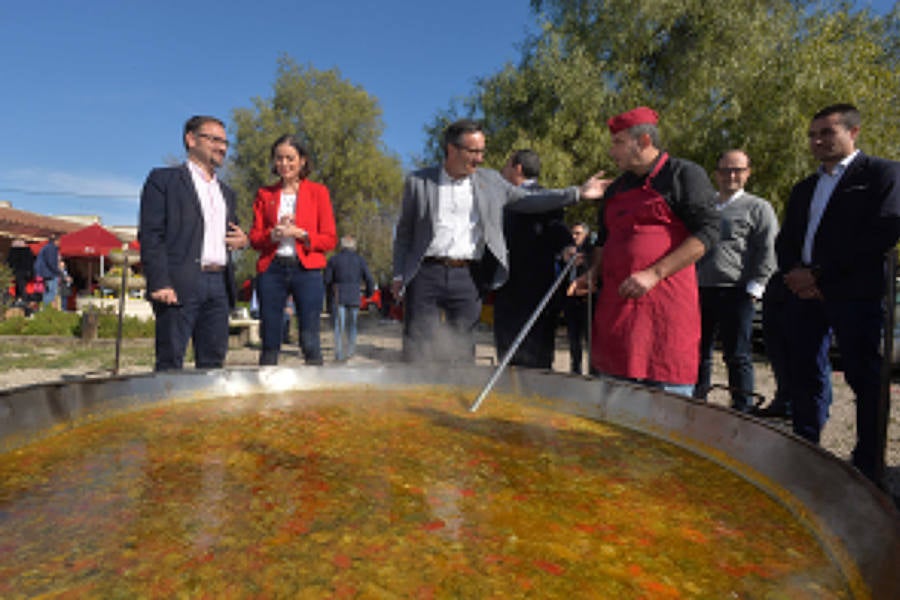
[{"x": 293, "y": 228}]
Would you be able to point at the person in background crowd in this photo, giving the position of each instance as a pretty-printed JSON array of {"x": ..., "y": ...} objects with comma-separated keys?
[
  {"x": 839, "y": 223},
  {"x": 187, "y": 226},
  {"x": 254, "y": 300},
  {"x": 293, "y": 228},
  {"x": 449, "y": 246},
  {"x": 46, "y": 266},
  {"x": 65, "y": 286},
  {"x": 21, "y": 260},
  {"x": 576, "y": 304},
  {"x": 286, "y": 323},
  {"x": 535, "y": 242},
  {"x": 732, "y": 275},
  {"x": 657, "y": 219},
  {"x": 387, "y": 300},
  {"x": 343, "y": 274}
]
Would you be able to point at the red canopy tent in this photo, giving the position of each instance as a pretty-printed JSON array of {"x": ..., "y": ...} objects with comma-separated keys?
[{"x": 91, "y": 241}]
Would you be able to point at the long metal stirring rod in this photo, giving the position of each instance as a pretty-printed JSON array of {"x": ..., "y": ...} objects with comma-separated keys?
[
  {"x": 589, "y": 258},
  {"x": 525, "y": 329},
  {"x": 590, "y": 317},
  {"x": 123, "y": 291}
]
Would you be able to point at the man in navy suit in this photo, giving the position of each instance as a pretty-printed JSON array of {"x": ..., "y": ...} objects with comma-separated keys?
[
  {"x": 188, "y": 224},
  {"x": 839, "y": 224},
  {"x": 534, "y": 242}
]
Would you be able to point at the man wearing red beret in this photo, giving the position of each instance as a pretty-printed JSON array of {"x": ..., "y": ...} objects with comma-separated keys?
[{"x": 655, "y": 221}]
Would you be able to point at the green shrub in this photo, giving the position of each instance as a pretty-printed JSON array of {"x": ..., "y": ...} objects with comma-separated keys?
[
  {"x": 13, "y": 326},
  {"x": 132, "y": 327},
  {"x": 7, "y": 278},
  {"x": 49, "y": 321}
]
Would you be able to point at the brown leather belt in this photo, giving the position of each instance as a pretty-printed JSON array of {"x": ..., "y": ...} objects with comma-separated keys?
[
  {"x": 212, "y": 268},
  {"x": 448, "y": 262}
]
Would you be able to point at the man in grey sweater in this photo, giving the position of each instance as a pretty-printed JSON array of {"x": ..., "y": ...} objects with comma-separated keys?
[{"x": 732, "y": 275}]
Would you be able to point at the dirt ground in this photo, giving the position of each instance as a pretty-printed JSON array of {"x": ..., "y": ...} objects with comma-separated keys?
[{"x": 379, "y": 341}]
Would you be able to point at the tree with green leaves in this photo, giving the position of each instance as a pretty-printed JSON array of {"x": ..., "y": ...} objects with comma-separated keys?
[
  {"x": 748, "y": 74},
  {"x": 341, "y": 125}
]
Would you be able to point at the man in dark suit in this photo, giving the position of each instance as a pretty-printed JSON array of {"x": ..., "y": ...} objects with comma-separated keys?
[
  {"x": 535, "y": 242},
  {"x": 449, "y": 245},
  {"x": 187, "y": 226},
  {"x": 838, "y": 226}
]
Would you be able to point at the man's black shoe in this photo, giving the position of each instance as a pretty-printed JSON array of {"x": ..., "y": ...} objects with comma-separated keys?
[{"x": 772, "y": 411}]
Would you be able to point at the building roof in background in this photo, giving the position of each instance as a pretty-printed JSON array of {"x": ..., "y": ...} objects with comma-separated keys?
[
  {"x": 126, "y": 233},
  {"x": 16, "y": 223}
]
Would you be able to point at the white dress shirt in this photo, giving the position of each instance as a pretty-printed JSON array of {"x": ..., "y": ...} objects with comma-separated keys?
[
  {"x": 213, "y": 206},
  {"x": 458, "y": 232},
  {"x": 824, "y": 188}
]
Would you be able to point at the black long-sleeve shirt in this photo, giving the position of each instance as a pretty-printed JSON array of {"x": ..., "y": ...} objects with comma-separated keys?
[{"x": 687, "y": 190}]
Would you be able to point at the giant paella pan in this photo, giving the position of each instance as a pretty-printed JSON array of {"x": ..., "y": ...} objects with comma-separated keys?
[{"x": 380, "y": 483}]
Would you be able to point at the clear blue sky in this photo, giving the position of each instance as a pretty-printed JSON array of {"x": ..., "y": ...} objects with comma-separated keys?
[{"x": 94, "y": 93}]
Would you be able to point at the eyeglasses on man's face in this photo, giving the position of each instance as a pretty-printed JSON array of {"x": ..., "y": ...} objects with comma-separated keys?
[
  {"x": 470, "y": 150},
  {"x": 731, "y": 170},
  {"x": 212, "y": 138}
]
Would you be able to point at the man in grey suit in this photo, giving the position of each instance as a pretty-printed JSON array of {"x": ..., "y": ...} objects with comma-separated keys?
[{"x": 449, "y": 246}]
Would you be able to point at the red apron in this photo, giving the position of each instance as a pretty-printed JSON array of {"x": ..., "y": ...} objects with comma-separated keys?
[{"x": 656, "y": 336}]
